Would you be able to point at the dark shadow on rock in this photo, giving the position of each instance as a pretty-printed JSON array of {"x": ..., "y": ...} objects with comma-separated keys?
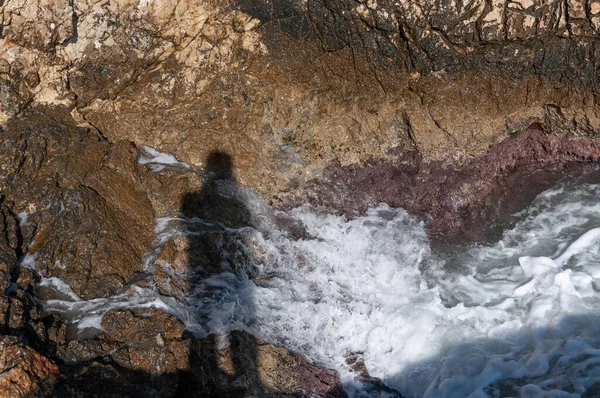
[
  {"x": 395, "y": 36},
  {"x": 74, "y": 24},
  {"x": 215, "y": 215}
]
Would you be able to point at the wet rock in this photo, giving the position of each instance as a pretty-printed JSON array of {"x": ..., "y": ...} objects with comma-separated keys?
[
  {"x": 92, "y": 245},
  {"x": 86, "y": 219},
  {"x": 106, "y": 380},
  {"x": 142, "y": 325},
  {"x": 171, "y": 268},
  {"x": 24, "y": 372},
  {"x": 8, "y": 246},
  {"x": 26, "y": 279},
  {"x": 20, "y": 315},
  {"x": 456, "y": 198},
  {"x": 241, "y": 364},
  {"x": 109, "y": 366},
  {"x": 145, "y": 350},
  {"x": 144, "y": 340}
]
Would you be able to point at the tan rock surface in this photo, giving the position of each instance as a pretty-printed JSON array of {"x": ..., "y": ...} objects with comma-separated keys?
[
  {"x": 24, "y": 372},
  {"x": 286, "y": 93}
]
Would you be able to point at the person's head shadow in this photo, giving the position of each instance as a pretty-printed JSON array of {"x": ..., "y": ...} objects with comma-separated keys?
[
  {"x": 218, "y": 202},
  {"x": 214, "y": 218},
  {"x": 220, "y": 165}
]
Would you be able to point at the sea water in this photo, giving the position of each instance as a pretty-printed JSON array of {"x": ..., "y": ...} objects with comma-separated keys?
[{"x": 518, "y": 317}]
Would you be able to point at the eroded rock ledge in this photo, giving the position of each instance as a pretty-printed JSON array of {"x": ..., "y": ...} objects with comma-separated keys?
[{"x": 438, "y": 107}]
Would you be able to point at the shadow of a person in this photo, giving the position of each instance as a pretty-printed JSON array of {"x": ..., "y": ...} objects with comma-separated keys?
[{"x": 215, "y": 219}]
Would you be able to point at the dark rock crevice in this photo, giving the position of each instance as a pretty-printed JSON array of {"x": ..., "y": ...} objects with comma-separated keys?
[{"x": 450, "y": 37}]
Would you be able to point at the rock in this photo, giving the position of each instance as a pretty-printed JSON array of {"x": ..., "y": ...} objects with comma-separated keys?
[
  {"x": 142, "y": 325},
  {"x": 24, "y": 372},
  {"x": 456, "y": 197},
  {"x": 88, "y": 219},
  {"x": 438, "y": 107},
  {"x": 140, "y": 351},
  {"x": 241, "y": 365},
  {"x": 143, "y": 340},
  {"x": 290, "y": 89},
  {"x": 8, "y": 246},
  {"x": 171, "y": 268},
  {"x": 369, "y": 383},
  {"x": 105, "y": 380},
  {"x": 148, "y": 345},
  {"x": 20, "y": 315},
  {"x": 92, "y": 245}
]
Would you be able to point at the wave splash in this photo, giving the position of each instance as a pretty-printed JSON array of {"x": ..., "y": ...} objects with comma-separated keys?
[
  {"x": 520, "y": 317},
  {"x": 517, "y": 317}
]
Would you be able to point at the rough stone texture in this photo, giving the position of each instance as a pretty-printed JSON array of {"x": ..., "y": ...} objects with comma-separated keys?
[
  {"x": 144, "y": 351},
  {"x": 429, "y": 36},
  {"x": 9, "y": 242},
  {"x": 139, "y": 353},
  {"x": 19, "y": 313},
  {"x": 456, "y": 199},
  {"x": 143, "y": 340},
  {"x": 24, "y": 372},
  {"x": 86, "y": 213},
  {"x": 340, "y": 103},
  {"x": 89, "y": 222},
  {"x": 241, "y": 365},
  {"x": 289, "y": 87}
]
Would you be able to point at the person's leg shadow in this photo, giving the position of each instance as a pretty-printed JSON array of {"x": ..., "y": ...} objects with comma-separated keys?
[{"x": 214, "y": 217}]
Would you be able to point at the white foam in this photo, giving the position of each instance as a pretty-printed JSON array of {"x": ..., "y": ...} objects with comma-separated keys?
[
  {"x": 159, "y": 160},
  {"x": 517, "y": 318},
  {"x": 426, "y": 327},
  {"x": 89, "y": 313},
  {"x": 59, "y": 286},
  {"x": 22, "y": 217},
  {"x": 536, "y": 266},
  {"x": 28, "y": 261},
  {"x": 582, "y": 243}
]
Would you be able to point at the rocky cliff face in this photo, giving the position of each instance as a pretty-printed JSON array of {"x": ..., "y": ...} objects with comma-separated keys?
[
  {"x": 436, "y": 106},
  {"x": 289, "y": 88}
]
